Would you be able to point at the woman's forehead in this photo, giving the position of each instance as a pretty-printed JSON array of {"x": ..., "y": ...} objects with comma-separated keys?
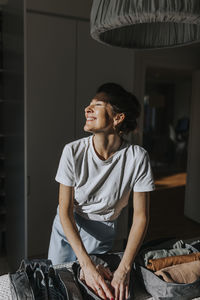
[{"x": 101, "y": 97}]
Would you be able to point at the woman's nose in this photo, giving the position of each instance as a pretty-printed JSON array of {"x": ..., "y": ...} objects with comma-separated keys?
[{"x": 88, "y": 108}]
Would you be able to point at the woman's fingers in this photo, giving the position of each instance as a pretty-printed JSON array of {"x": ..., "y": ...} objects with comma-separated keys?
[
  {"x": 121, "y": 292},
  {"x": 116, "y": 293},
  {"x": 105, "y": 289},
  {"x": 105, "y": 272},
  {"x": 126, "y": 291},
  {"x": 96, "y": 282},
  {"x": 100, "y": 292},
  {"x": 121, "y": 288},
  {"x": 82, "y": 277}
]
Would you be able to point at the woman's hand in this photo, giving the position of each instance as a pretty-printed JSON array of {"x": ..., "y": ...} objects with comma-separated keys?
[
  {"x": 120, "y": 283},
  {"x": 103, "y": 271},
  {"x": 94, "y": 278}
]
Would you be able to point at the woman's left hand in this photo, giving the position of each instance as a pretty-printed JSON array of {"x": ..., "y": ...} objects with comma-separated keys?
[{"x": 120, "y": 283}]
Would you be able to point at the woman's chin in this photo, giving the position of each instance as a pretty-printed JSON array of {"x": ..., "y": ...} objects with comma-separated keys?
[{"x": 87, "y": 129}]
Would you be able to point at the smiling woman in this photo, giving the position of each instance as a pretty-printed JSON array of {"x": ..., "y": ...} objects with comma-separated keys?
[{"x": 96, "y": 176}]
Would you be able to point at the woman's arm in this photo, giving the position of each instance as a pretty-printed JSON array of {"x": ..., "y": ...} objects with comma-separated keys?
[
  {"x": 92, "y": 277},
  {"x": 137, "y": 233}
]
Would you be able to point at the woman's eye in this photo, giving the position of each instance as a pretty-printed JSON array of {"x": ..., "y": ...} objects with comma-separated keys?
[{"x": 99, "y": 103}]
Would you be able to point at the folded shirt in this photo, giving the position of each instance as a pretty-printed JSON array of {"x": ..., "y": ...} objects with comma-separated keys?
[
  {"x": 155, "y": 254},
  {"x": 182, "y": 273},
  {"x": 160, "y": 263},
  {"x": 177, "y": 248}
]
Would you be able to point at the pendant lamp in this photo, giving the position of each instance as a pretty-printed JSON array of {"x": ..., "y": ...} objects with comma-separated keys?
[{"x": 146, "y": 24}]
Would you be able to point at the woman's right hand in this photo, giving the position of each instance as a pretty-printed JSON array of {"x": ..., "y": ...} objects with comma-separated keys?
[{"x": 94, "y": 278}]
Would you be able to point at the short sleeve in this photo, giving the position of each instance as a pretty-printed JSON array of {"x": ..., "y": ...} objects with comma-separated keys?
[
  {"x": 144, "y": 181},
  {"x": 65, "y": 172}
]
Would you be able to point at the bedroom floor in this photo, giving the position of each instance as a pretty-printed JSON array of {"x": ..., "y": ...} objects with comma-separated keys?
[{"x": 167, "y": 210}]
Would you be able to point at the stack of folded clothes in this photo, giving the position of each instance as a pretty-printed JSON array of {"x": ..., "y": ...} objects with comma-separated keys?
[{"x": 178, "y": 264}]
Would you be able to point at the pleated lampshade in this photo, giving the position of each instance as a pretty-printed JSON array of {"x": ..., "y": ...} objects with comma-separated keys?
[{"x": 146, "y": 24}]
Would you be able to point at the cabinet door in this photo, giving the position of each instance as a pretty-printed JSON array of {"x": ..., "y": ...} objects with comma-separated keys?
[
  {"x": 98, "y": 64},
  {"x": 13, "y": 93},
  {"x": 192, "y": 203},
  {"x": 50, "y": 111}
]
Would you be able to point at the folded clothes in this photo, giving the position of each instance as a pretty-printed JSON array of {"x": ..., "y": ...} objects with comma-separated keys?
[
  {"x": 160, "y": 263},
  {"x": 182, "y": 273},
  {"x": 196, "y": 244},
  {"x": 155, "y": 254},
  {"x": 165, "y": 249}
]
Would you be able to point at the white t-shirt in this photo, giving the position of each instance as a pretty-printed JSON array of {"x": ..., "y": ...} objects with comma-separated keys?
[{"x": 102, "y": 188}]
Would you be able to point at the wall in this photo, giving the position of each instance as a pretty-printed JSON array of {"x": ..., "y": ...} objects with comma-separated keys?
[
  {"x": 75, "y": 8},
  {"x": 96, "y": 64}
]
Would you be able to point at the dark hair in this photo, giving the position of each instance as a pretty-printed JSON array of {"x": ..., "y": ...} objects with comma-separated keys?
[{"x": 122, "y": 102}]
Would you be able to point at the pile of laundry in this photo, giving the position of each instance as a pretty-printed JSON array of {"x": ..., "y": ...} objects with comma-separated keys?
[{"x": 178, "y": 264}]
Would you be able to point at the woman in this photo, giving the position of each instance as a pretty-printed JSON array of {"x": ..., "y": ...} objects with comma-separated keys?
[{"x": 96, "y": 175}]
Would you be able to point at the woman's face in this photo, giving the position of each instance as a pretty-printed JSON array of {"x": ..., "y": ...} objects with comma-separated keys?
[{"x": 99, "y": 115}]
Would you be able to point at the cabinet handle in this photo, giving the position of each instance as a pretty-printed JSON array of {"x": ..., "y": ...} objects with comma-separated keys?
[{"x": 28, "y": 185}]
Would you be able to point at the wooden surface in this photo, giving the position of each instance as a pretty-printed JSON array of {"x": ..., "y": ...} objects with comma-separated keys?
[{"x": 167, "y": 210}]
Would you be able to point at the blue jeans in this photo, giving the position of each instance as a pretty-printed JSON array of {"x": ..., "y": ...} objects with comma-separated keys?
[{"x": 97, "y": 238}]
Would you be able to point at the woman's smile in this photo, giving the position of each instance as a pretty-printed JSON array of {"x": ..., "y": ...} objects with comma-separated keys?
[{"x": 90, "y": 118}]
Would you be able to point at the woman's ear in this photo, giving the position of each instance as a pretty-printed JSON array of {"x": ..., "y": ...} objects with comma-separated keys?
[{"x": 118, "y": 118}]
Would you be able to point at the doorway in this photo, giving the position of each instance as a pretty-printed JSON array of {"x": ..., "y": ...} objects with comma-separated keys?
[
  {"x": 167, "y": 104},
  {"x": 166, "y": 119}
]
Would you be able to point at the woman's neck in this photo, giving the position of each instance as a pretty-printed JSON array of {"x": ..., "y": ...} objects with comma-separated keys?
[{"x": 106, "y": 146}]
